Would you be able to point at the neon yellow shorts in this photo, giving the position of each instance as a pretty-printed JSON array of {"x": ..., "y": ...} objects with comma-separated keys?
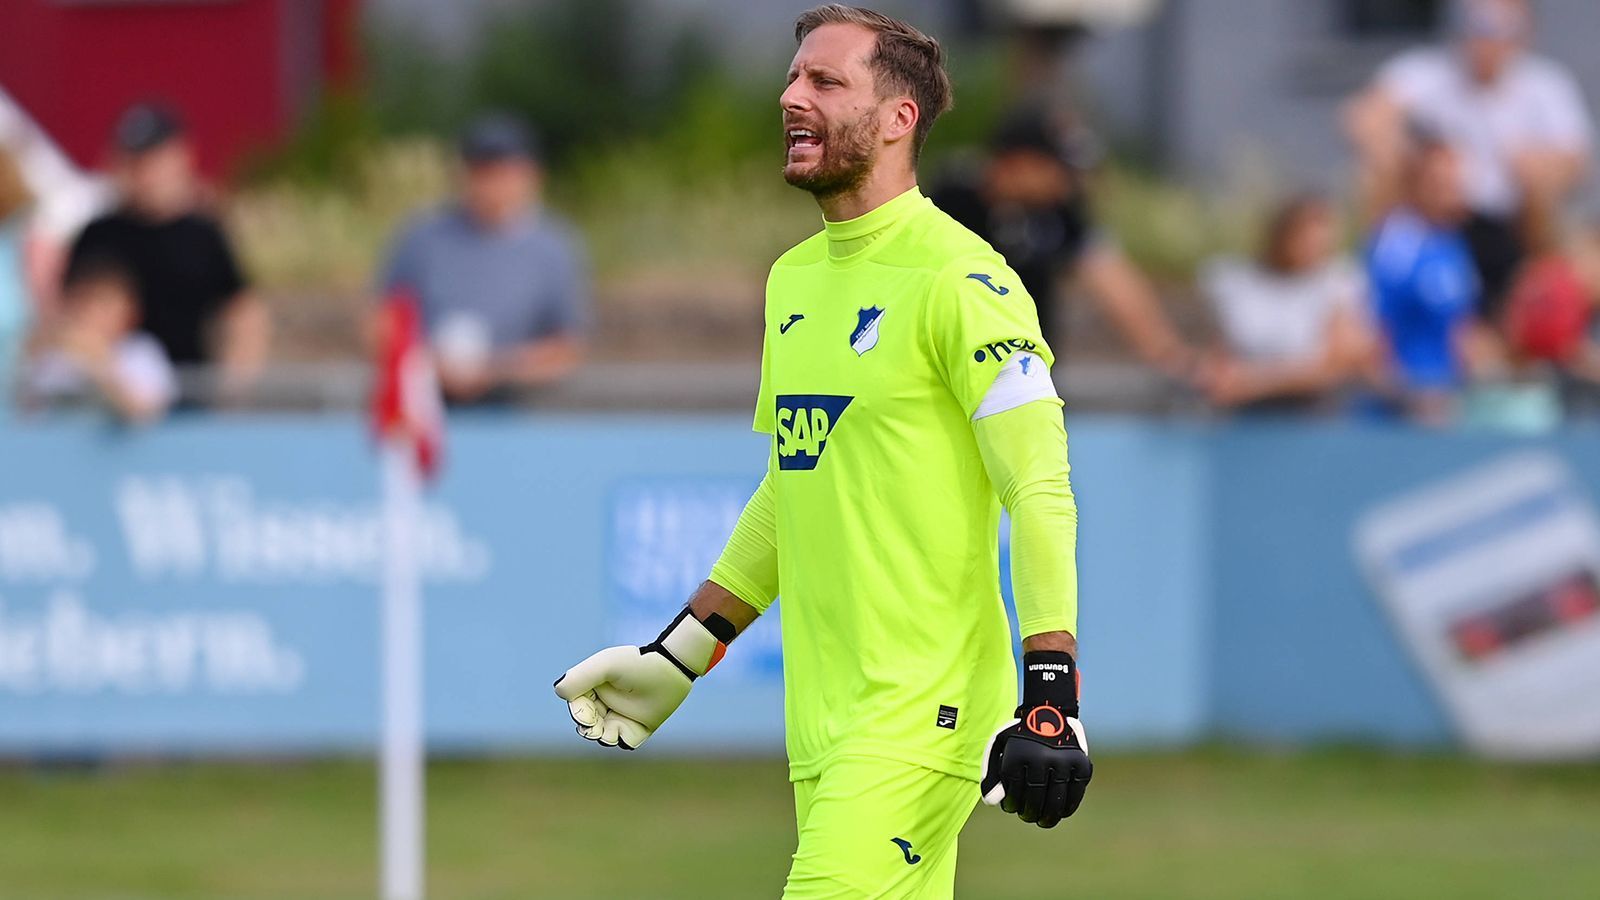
[{"x": 876, "y": 828}]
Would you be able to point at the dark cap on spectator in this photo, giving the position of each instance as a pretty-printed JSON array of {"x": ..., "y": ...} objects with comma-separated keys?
[
  {"x": 1423, "y": 135},
  {"x": 1502, "y": 20},
  {"x": 146, "y": 126},
  {"x": 1033, "y": 129},
  {"x": 497, "y": 137}
]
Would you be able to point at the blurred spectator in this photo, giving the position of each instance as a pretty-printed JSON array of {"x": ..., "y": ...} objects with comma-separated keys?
[
  {"x": 1516, "y": 120},
  {"x": 502, "y": 284},
  {"x": 1028, "y": 198},
  {"x": 93, "y": 351},
  {"x": 192, "y": 296},
  {"x": 1425, "y": 286},
  {"x": 1293, "y": 319},
  {"x": 1548, "y": 314},
  {"x": 15, "y": 307},
  {"x": 1555, "y": 314},
  {"x": 1585, "y": 257}
]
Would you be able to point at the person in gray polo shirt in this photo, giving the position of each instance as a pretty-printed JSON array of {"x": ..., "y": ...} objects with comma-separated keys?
[{"x": 503, "y": 286}]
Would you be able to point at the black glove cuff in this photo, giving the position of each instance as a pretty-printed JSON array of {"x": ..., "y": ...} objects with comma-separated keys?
[
  {"x": 1050, "y": 678},
  {"x": 695, "y": 647}
]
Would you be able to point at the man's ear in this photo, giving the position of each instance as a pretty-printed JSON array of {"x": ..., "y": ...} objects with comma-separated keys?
[{"x": 902, "y": 120}]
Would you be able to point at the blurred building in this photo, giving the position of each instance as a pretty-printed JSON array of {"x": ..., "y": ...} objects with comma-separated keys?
[
  {"x": 765, "y": 23},
  {"x": 1209, "y": 86},
  {"x": 242, "y": 72},
  {"x": 755, "y": 27}
]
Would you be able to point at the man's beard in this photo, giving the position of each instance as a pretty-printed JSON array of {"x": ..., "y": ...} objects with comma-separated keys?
[{"x": 849, "y": 151}]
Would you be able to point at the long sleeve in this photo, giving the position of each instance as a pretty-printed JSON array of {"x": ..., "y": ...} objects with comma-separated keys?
[
  {"x": 748, "y": 566},
  {"x": 1025, "y": 453}
]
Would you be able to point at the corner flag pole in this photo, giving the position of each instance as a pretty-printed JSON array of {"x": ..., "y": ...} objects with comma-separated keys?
[
  {"x": 401, "y": 758},
  {"x": 408, "y": 418}
]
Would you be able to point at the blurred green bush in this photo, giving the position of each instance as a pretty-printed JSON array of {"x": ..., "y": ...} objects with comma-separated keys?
[{"x": 664, "y": 150}]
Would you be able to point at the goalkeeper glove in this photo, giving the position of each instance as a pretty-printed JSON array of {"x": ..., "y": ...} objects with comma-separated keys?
[
  {"x": 1038, "y": 766},
  {"x": 621, "y": 695}
]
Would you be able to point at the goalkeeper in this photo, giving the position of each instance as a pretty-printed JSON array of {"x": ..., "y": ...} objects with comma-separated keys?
[{"x": 906, "y": 387}]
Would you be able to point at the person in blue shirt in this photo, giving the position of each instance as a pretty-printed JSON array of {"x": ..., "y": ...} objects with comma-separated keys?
[
  {"x": 502, "y": 283},
  {"x": 1425, "y": 287}
]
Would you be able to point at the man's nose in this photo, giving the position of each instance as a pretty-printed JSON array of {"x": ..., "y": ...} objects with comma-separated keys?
[{"x": 794, "y": 98}]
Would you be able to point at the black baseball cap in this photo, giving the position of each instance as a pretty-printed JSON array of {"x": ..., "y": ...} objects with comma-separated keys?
[
  {"x": 1498, "y": 20},
  {"x": 496, "y": 137},
  {"x": 1032, "y": 128},
  {"x": 146, "y": 126}
]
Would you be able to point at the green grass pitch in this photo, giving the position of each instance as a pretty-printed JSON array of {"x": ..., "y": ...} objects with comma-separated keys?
[{"x": 1173, "y": 826}]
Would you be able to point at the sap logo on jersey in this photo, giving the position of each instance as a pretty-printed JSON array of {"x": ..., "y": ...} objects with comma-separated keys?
[{"x": 804, "y": 423}]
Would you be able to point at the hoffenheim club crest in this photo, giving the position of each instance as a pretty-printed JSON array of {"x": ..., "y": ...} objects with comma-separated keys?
[{"x": 865, "y": 337}]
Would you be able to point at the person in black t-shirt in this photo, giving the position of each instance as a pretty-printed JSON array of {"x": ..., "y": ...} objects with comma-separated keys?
[
  {"x": 193, "y": 298},
  {"x": 1027, "y": 198}
]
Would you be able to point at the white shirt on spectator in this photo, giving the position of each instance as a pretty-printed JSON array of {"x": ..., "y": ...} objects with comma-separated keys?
[
  {"x": 140, "y": 364},
  {"x": 1267, "y": 317},
  {"x": 1536, "y": 103}
]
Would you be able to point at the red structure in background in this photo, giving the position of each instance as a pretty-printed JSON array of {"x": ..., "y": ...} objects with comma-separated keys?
[{"x": 241, "y": 72}]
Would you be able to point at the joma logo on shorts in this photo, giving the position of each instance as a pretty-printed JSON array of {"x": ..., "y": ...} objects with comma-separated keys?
[{"x": 905, "y": 848}]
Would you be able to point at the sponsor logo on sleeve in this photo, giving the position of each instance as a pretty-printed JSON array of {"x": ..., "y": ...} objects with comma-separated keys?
[
  {"x": 988, "y": 282},
  {"x": 999, "y": 350}
]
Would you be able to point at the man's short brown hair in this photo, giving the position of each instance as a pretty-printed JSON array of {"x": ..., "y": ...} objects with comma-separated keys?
[{"x": 904, "y": 61}]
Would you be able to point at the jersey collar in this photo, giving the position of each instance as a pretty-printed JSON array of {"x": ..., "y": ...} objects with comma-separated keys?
[{"x": 848, "y": 239}]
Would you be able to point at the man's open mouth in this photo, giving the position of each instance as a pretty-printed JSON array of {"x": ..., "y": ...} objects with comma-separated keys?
[{"x": 803, "y": 138}]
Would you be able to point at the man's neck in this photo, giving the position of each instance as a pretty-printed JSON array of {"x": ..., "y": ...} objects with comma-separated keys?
[
  {"x": 1488, "y": 81},
  {"x": 499, "y": 220},
  {"x": 156, "y": 213},
  {"x": 879, "y": 188},
  {"x": 1481, "y": 81},
  {"x": 1442, "y": 219}
]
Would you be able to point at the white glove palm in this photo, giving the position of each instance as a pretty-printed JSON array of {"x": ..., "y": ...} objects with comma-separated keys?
[{"x": 621, "y": 695}]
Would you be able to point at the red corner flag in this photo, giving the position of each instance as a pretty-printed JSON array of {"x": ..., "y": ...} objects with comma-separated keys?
[{"x": 405, "y": 404}]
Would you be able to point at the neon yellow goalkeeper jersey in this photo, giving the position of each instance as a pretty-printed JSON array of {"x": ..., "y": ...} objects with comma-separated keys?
[{"x": 883, "y": 335}]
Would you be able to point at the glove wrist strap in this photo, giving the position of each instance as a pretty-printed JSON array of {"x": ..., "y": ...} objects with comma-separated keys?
[
  {"x": 689, "y": 645},
  {"x": 1050, "y": 678}
]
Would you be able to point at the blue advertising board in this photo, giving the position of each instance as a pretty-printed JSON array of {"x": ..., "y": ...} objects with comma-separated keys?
[{"x": 212, "y": 585}]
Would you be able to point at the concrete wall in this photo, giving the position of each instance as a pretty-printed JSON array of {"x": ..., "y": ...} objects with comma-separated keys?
[{"x": 1217, "y": 86}]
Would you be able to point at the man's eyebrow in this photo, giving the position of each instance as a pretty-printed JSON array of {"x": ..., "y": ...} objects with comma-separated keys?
[{"x": 813, "y": 69}]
